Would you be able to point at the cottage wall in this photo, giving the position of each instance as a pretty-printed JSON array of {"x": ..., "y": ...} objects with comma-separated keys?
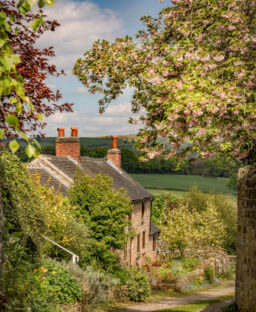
[
  {"x": 140, "y": 247},
  {"x": 246, "y": 240}
]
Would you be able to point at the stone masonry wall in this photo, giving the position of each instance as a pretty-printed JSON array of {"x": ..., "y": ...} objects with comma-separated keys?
[
  {"x": 133, "y": 256},
  {"x": 246, "y": 240}
]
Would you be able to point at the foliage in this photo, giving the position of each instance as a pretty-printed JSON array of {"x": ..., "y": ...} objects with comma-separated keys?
[
  {"x": 208, "y": 274},
  {"x": 61, "y": 225},
  {"x": 183, "y": 227},
  {"x": 232, "y": 183},
  {"x": 193, "y": 73},
  {"x": 104, "y": 211},
  {"x": 22, "y": 67},
  {"x": 56, "y": 280},
  {"x": 158, "y": 204},
  {"x": 96, "y": 285},
  {"x": 137, "y": 283},
  {"x": 233, "y": 307},
  {"x": 20, "y": 290},
  {"x": 23, "y": 208},
  {"x": 96, "y": 152}
]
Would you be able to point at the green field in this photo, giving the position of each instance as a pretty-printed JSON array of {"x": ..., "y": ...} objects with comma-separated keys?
[{"x": 159, "y": 183}]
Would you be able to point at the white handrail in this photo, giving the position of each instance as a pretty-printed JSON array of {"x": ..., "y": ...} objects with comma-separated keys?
[{"x": 75, "y": 258}]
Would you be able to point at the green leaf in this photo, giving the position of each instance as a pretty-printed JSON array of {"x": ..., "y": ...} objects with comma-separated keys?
[
  {"x": 19, "y": 108},
  {"x": 12, "y": 120},
  {"x": 14, "y": 146},
  {"x": 41, "y": 3},
  {"x": 49, "y": 2},
  {"x": 36, "y": 143},
  {"x": 30, "y": 150},
  {"x": 1, "y": 133},
  {"x": 13, "y": 100},
  {"x": 24, "y": 136},
  {"x": 40, "y": 117},
  {"x": 36, "y": 23}
]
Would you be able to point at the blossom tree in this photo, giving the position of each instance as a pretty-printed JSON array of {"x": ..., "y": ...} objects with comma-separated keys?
[{"x": 193, "y": 74}]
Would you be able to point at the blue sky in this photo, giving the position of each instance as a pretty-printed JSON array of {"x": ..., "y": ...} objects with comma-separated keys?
[{"x": 83, "y": 22}]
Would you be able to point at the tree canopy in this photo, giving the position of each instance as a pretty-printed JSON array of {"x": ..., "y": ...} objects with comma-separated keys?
[
  {"x": 25, "y": 96},
  {"x": 193, "y": 76}
]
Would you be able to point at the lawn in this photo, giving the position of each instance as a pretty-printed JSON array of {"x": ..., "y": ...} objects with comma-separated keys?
[{"x": 167, "y": 182}]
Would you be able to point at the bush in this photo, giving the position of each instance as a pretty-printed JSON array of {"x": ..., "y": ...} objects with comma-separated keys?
[
  {"x": 231, "y": 308},
  {"x": 138, "y": 285},
  {"x": 56, "y": 280},
  {"x": 209, "y": 275},
  {"x": 97, "y": 286}
]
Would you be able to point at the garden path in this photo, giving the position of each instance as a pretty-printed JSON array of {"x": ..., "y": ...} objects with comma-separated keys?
[{"x": 226, "y": 288}]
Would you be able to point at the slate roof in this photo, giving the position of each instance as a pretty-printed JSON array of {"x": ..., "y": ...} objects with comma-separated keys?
[
  {"x": 48, "y": 180},
  {"x": 154, "y": 229},
  {"x": 91, "y": 166}
]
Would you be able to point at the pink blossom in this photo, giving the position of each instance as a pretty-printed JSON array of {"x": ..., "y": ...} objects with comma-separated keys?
[
  {"x": 151, "y": 155},
  {"x": 165, "y": 73},
  {"x": 191, "y": 87},
  {"x": 219, "y": 58}
]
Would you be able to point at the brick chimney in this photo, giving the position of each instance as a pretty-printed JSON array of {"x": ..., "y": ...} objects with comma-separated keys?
[
  {"x": 114, "y": 154},
  {"x": 68, "y": 146}
]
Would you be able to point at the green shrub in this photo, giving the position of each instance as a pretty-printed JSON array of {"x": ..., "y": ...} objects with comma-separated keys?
[
  {"x": 58, "y": 281},
  {"x": 138, "y": 285},
  {"x": 97, "y": 286},
  {"x": 231, "y": 308},
  {"x": 209, "y": 275}
]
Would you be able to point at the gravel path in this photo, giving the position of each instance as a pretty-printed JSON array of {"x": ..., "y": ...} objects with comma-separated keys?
[{"x": 224, "y": 289}]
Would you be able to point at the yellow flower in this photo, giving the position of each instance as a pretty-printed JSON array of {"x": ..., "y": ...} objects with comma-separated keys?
[
  {"x": 43, "y": 277},
  {"x": 45, "y": 270},
  {"x": 42, "y": 268},
  {"x": 53, "y": 272},
  {"x": 58, "y": 292},
  {"x": 201, "y": 278}
]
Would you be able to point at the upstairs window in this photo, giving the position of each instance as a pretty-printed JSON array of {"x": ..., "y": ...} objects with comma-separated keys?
[
  {"x": 142, "y": 212},
  {"x": 138, "y": 243}
]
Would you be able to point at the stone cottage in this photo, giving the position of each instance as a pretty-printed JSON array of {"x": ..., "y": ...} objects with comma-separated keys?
[{"x": 58, "y": 172}]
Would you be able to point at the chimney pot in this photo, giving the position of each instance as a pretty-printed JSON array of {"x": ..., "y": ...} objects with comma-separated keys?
[
  {"x": 114, "y": 141},
  {"x": 74, "y": 131},
  {"x": 61, "y": 132}
]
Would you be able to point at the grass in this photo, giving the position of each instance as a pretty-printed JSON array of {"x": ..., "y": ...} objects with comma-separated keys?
[
  {"x": 174, "y": 182},
  {"x": 196, "y": 305}
]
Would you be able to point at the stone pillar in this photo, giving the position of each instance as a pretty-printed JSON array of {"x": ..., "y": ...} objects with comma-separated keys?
[{"x": 246, "y": 240}]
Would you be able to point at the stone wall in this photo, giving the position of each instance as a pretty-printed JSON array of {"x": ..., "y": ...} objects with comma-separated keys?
[
  {"x": 135, "y": 256},
  {"x": 246, "y": 240}
]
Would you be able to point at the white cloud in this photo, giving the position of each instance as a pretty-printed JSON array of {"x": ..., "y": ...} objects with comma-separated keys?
[
  {"x": 113, "y": 121},
  {"x": 119, "y": 109},
  {"x": 81, "y": 24},
  {"x": 81, "y": 90}
]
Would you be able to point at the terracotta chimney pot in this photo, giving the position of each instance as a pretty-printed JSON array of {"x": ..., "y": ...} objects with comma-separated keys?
[
  {"x": 114, "y": 154},
  {"x": 74, "y": 131},
  {"x": 114, "y": 141},
  {"x": 61, "y": 132}
]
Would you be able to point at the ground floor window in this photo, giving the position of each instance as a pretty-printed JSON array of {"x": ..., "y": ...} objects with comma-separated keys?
[
  {"x": 143, "y": 239},
  {"x": 154, "y": 241}
]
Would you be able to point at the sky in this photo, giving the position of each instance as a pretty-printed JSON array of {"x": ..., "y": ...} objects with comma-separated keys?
[{"x": 83, "y": 22}]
